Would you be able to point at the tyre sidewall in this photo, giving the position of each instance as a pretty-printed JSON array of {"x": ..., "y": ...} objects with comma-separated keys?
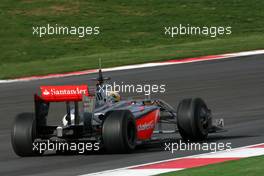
[
  {"x": 23, "y": 134},
  {"x": 115, "y": 131}
]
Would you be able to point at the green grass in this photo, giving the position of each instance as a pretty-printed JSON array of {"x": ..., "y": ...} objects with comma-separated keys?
[
  {"x": 131, "y": 32},
  {"x": 245, "y": 167}
]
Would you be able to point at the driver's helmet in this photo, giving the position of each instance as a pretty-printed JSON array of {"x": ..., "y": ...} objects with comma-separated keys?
[{"x": 114, "y": 96}]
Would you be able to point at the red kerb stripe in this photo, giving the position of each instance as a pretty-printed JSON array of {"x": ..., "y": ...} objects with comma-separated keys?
[{"x": 185, "y": 163}]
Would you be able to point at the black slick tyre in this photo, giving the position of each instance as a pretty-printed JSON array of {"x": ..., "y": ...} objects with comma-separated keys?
[
  {"x": 23, "y": 134},
  {"x": 119, "y": 132},
  {"x": 193, "y": 118}
]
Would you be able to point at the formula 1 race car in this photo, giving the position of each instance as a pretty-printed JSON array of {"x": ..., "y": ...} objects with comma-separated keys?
[{"x": 117, "y": 125}]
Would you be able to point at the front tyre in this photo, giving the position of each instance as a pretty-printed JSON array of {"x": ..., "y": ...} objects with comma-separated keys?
[
  {"x": 119, "y": 132},
  {"x": 193, "y": 119},
  {"x": 23, "y": 134}
]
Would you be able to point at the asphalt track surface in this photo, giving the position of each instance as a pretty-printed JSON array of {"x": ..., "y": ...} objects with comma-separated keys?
[{"x": 233, "y": 89}]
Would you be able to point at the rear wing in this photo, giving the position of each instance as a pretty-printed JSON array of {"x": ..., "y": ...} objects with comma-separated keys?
[
  {"x": 68, "y": 94},
  {"x": 63, "y": 93}
]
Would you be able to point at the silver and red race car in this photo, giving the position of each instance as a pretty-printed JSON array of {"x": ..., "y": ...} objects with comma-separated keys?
[{"x": 117, "y": 125}]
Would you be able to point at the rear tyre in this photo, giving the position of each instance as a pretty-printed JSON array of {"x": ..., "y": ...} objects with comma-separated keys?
[
  {"x": 119, "y": 132},
  {"x": 23, "y": 134},
  {"x": 193, "y": 119}
]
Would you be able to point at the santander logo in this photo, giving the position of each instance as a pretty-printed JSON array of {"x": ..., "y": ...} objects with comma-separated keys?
[
  {"x": 46, "y": 92},
  {"x": 64, "y": 90}
]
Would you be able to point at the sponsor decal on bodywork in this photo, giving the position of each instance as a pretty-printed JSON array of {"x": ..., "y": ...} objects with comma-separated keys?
[
  {"x": 64, "y": 93},
  {"x": 146, "y": 124}
]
